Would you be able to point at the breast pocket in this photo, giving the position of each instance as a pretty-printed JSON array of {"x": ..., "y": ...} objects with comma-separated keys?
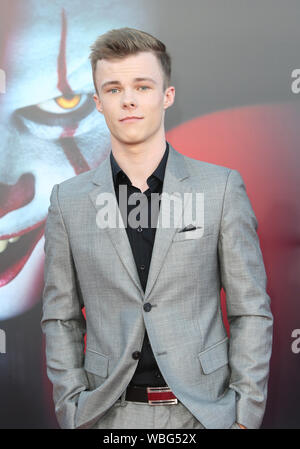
[
  {"x": 198, "y": 233},
  {"x": 96, "y": 367}
]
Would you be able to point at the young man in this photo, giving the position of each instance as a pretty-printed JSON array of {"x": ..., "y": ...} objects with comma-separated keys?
[{"x": 152, "y": 292}]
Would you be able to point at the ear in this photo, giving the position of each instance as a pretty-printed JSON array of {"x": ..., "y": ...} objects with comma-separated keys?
[
  {"x": 169, "y": 96},
  {"x": 98, "y": 103}
]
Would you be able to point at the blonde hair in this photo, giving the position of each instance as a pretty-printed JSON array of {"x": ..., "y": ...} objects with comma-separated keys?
[{"x": 119, "y": 43}]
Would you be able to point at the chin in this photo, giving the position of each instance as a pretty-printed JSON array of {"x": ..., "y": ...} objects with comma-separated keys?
[{"x": 132, "y": 140}]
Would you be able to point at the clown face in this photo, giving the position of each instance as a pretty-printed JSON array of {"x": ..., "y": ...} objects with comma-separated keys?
[{"x": 50, "y": 128}]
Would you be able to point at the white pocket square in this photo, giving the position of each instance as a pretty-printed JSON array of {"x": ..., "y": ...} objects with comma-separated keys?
[
  {"x": 190, "y": 227},
  {"x": 189, "y": 232}
]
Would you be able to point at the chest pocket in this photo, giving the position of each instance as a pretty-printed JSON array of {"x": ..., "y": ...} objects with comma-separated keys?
[{"x": 197, "y": 233}]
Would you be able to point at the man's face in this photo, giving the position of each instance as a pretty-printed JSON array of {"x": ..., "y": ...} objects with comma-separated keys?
[{"x": 128, "y": 96}]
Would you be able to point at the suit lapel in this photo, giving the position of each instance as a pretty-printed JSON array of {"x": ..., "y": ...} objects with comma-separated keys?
[
  {"x": 175, "y": 184},
  {"x": 118, "y": 235}
]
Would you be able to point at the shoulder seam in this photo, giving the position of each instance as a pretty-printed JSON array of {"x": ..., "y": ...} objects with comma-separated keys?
[
  {"x": 223, "y": 202},
  {"x": 59, "y": 210}
]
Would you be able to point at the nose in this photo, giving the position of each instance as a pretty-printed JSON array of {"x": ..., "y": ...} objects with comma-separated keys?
[
  {"x": 129, "y": 104},
  {"x": 128, "y": 100}
]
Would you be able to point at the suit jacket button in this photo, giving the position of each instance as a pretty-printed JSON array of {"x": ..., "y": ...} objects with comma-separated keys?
[
  {"x": 136, "y": 355},
  {"x": 147, "y": 307}
]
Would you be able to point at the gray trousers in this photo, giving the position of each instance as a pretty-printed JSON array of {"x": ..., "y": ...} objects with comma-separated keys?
[{"x": 141, "y": 415}]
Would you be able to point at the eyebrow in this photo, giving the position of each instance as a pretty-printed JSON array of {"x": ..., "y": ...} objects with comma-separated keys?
[{"x": 108, "y": 83}]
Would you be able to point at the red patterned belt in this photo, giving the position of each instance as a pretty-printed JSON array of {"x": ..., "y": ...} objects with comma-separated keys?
[{"x": 151, "y": 395}]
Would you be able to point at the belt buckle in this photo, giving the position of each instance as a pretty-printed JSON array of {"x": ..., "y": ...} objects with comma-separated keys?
[{"x": 160, "y": 396}]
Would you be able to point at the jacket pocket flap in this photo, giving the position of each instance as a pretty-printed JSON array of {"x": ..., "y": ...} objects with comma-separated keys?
[
  {"x": 96, "y": 363},
  {"x": 214, "y": 357}
]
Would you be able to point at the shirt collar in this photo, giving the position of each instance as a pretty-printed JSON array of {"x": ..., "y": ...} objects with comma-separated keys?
[{"x": 159, "y": 172}]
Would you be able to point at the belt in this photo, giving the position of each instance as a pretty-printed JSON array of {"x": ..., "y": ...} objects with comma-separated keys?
[{"x": 151, "y": 395}]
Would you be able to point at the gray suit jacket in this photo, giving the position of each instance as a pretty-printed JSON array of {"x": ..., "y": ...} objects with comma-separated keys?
[{"x": 219, "y": 379}]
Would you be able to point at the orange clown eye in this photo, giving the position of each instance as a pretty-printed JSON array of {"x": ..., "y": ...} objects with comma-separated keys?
[{"x": 68, "y": 102}]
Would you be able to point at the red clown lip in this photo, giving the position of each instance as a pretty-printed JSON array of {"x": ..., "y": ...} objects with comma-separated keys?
[{"x": 14, "y": 257}]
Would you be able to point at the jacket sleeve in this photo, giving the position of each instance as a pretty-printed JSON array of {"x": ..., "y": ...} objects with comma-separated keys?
[
  {"x": 249, "y": 315},
  {"x": 62, "y": 320}
]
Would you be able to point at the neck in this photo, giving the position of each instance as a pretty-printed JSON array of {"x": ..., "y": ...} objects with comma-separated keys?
[{"x": 139, "y": 160}]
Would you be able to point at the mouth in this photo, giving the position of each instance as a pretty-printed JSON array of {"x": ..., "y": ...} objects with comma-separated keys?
[
  {"x": 131, "y": 120},
  {"x": 16, "y": 250}
]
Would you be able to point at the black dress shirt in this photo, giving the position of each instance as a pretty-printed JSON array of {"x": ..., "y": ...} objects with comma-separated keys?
[{"x": 141, "y": 241}]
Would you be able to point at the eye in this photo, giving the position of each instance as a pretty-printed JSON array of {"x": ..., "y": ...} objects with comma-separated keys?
[
  {"x": 140, "y": 87},
  {"x": 59, "y": 111},
  {"x": 62, "y": 104}
]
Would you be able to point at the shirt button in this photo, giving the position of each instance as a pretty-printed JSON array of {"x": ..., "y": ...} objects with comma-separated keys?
[
  {"x": 142, "y": 267},
  {"x": 147, "y": 307},
  {"x": 136, "y": 355}
]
